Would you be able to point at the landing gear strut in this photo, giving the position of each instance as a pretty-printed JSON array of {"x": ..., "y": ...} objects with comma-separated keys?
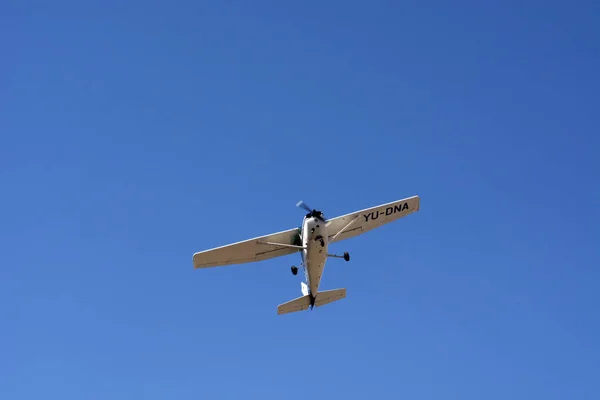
[
  {"x": 294, "y": 270},
  {"x": 346, "y": 256}
]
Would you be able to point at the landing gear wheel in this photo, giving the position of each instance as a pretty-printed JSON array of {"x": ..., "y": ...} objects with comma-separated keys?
[
  {"x": 347, "y": 256},
  {"x": 294, "y": 270}
]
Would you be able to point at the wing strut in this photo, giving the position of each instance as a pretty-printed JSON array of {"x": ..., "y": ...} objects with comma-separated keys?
[
  {"x": 344, "y": 228},
  {"x": 284, "y": 245}
]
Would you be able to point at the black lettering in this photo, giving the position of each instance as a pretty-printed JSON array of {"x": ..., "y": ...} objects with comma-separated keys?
[
  {"x": 400, "y": 207},
  {"x": 388, "y": 211}
]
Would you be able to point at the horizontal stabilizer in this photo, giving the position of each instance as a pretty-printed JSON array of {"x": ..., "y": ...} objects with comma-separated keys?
[
  {"x": 299, "y": 304},
  {"x": 329, "y": 296},
  {"x": 303, "y": 303}
]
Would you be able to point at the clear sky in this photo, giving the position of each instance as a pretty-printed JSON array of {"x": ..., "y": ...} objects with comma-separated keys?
[{"x": 134, "y": 134}]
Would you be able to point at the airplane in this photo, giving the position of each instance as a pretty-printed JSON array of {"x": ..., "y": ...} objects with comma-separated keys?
[{"x": 312, "y": 241}]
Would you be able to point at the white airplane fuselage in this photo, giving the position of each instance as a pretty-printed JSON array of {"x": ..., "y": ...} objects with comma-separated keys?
[
  {"x": 312, "y": 240},
  {"x": 314, "y": 255}
]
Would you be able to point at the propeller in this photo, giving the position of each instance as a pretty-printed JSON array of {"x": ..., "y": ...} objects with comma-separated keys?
[{"x": 312, "y": 212}]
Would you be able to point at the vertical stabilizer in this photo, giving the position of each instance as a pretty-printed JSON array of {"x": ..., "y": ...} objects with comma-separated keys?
[{"x": 304, "y": 288}]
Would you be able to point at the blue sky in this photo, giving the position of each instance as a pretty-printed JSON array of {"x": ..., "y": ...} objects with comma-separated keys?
[{"x": 133, "y": 135}]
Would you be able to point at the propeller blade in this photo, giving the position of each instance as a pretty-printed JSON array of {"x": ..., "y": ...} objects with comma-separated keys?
[
  {"x": 313, "y": 212},
  {"x": 303, "y": 205}
]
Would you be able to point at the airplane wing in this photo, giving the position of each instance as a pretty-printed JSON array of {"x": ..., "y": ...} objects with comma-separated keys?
[
  {"x": 251, "y": 250},
  {"x": 359, "y": 222}
]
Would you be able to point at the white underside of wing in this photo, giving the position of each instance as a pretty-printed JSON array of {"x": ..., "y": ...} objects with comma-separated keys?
[
  {"x": 342, "y": 227},
  {"x": 370, "y": 218},
  {"x": 246, "y": 251}
]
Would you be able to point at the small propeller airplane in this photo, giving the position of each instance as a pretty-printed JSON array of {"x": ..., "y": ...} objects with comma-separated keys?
[{"x": 311, "y": 241}]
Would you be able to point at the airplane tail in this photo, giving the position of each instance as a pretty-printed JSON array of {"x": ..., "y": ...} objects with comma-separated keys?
[
  {"x": 303, "y": 303},
  {"x": 304, "y": 288}
]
